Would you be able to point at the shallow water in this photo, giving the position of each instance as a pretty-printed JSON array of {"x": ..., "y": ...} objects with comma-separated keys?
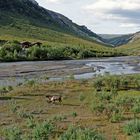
[{"x": 19, "y": 72}]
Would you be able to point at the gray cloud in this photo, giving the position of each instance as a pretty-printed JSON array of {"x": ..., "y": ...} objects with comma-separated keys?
[
  {"x": 128, "y": 14},
  {"x": 101, "y": 16}
]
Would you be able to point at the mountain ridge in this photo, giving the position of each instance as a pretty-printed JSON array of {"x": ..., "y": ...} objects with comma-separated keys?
[
  {"x": 119, "y": 40},
  {"x": 39, "y": 16}
]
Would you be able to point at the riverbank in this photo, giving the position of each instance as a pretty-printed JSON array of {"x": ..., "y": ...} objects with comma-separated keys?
[{"x": 19, "y": 72}]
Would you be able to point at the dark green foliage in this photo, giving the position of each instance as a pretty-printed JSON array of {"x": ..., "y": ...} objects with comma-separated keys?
[
  {"x": 5, "y": 89},
  {"x": 12, "y": 51},
  {"x": 114, "y": 83},
  {"x": 136, "y": 136},
  {"x": 97, "y": 107},
  {"x": 12, "y": 133},
  {"x": 107, "y": 101},
  {"x": 31, "y": 122},
  {"x": 76, "y": 133},
  {"x": 132, "y": 127},
  {"x": 74, "y": 114},
  {"x": 13, "y": 106},
  {"x": 136, "y": 109},
  {"x": 116, "y": 116},
  {"x": 42, "y": 131}
]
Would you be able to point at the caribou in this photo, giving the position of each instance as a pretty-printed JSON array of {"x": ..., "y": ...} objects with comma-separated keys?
[{"x": 54, "y": 98}]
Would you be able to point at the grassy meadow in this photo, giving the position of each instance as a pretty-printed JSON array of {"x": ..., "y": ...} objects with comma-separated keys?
[
  {"x": 61, "y": 45},
  {"x": 104, "y": 108},
  {"x": 132, "y": 48},
  {"x": 55, "y": 45}
]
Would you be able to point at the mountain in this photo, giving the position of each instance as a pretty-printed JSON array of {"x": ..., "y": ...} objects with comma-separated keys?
[
  {"x": 15, "y": 12},
  {"x": 135, "y": 37},
  {"x": 109, "y": 36},
  {"x": 116, "y": 40},
  {"x": 25, "y": 20},
  {"x": 119, "y": 40},
  {"x": 133, "y": 46}
]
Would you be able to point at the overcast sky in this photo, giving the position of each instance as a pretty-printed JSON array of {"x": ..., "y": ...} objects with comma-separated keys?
[{"x": 101, "y": 16}]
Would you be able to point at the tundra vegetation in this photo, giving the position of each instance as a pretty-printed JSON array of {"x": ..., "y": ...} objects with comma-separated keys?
[
  {"x": 13, "y": 51},
  {"x": 132, "y": 48},
  {"x": 104, "y": 108}
]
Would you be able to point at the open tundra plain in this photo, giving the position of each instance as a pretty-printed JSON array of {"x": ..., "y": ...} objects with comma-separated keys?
[{"x": 95, "y": 102}]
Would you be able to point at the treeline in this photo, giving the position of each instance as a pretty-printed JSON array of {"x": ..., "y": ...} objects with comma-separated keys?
[{"x": 12, "y": 51}]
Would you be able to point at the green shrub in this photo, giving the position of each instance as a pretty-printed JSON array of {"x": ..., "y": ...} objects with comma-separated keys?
[
  {"x": 31, "y": 122},
  {"x": 74, "y": 114},
  {"x": 12, "y": 133},
  {"x": 59, "y": 118},
  {"x": 98, "y": 84},
  {"x": 132, "y": 127},
  {"x": 9, "y": 88},
  {"x": 136, "y": 136},
  {"x": 82, "y": 97},
  {"x": 23, "y": 114},
  {"x": 136, "y": 109},
  {"x": 3, "y": 90},
  {"x": 76, "y": 133},
  {"x": 42, "y": 131},
  {"x": 97, "y": 107},
  {"x": 13, "y": 106},
  {"x": 116, "y": 117},
  {"x": 125, "y": 102},
  {"x": 104, "y": 96}
]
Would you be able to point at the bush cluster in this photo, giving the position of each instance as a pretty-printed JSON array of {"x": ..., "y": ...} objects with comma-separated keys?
[{"x": 12, "y": 51}]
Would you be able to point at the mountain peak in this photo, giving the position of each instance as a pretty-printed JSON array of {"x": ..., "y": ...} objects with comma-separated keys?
[{"x": 33, "y": 1}]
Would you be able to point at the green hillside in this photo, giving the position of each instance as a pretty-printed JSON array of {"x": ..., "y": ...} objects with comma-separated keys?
[
  {"x": 29, "y": 12},
  {"x": 29, "y": 32},
  {"x": 25, "y": 20},
  {"x": 56, "y": 45},
  {"x": 132, "y": 48}
]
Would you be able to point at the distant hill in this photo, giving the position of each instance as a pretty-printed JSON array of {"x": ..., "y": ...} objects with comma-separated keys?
[
  {"x": 119, "y": 40},
  {"x": 133, "y": 46},
  {"x": 110, "y": 36},
  {"x": 116, "y": 40}
]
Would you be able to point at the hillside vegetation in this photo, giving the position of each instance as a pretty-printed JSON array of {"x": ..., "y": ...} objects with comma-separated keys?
[
  {"x": 132, "y": 48},
  {"x": 56, "y": 45},
  {"x": 13, "y": 51},
  {"x": 30, "y": 13}
]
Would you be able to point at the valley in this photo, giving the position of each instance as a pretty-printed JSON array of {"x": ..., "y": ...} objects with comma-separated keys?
[{"x": 61, "y": 81}]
